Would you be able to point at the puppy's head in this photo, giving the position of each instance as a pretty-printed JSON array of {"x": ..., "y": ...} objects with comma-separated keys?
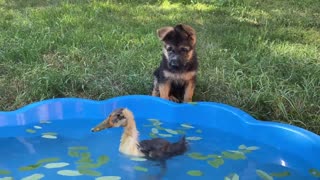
[{"x": 179, "y": 44}]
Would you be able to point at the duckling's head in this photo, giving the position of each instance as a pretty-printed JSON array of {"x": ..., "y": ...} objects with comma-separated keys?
[{"x": 117, "y": 118}]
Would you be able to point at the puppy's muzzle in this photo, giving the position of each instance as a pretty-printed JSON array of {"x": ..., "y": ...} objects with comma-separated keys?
[{"x": 174, "y": 63}]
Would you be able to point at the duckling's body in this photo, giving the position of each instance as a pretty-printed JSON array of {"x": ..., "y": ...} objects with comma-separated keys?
[
  {"x": 160, "y": 149},
  {"x": 155, "y": 149}
]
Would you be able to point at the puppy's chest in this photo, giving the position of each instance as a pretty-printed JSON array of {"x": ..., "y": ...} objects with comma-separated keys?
[{"x": 179, "y": 77}]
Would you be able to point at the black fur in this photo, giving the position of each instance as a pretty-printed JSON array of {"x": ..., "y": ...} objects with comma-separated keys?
[{"x": 160, "y": 149}]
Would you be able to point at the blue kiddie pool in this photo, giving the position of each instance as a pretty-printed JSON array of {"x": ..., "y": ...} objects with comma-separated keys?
[{"x": 52, "y": 139}]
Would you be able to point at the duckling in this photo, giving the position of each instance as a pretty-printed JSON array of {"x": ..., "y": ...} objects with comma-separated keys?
[{"x": 154, "y": 149}]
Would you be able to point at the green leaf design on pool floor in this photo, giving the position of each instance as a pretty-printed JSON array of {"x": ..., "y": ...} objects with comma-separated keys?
[
  {"x": 7, "y": 178},
  {"x": 138, "y": 159},
  {"x": 56, "y": 165},
  {"x": 30, "y": 167},
  {"x": 140, "y": 168},
  {"x": 234, "y": 155},
  {"x": 69, "y": 173},
  {"x": 38, "y": 164},
  {"x": 179, "y": 131},
  {"x": 171, "y": 131},
  {"x": 245, "y": 151},
  {"x": 314, "y": 172},
  {"x": 195, "y": 173},
  {"x": 44, "y": 122},
  {"x": 84, "y": 165},
  {"x": 157, "y": 124},
  {"x": 31, "y": 131},
  {"x": 89, "y": 172},
  {"x": 213, "y": 156},
  {"x": 47, "y": 160},
  {"x": 159, "y": 127},
  {"x": 78, "y": 148},
  {"x": 154, "y": 130},
  {"x": 263, "y": 175},
  {"x": 85, "y": 157},
  {"x": 37, "y": 127},
  {"x": 73, "y": 153},
  {"x": 165, "y": 135},
  {"x": 103, "y": 159},
  {"x": 4, "y": 172},
  {"x": 216, "y": 163},
  {"x": 153, "y": 135},
  {"x": 33, "y": 177},
  {"x": 197, "y": 156},
  {"x": 87, "y": 163},
  {"x": 186, "y": 126},
  {"x": 232, "y": 176},
  {"x": 252, "y": 148},
  {"x": 199, "y": 131},
  {"x": 280, "y": 174},
  {"x": 153, "y": 120},
  {"x": 50, "y": 133},
  {"x": 48, "y": 136},
  {"x": 242, "y": 146},
  {"x": 108, "y": 178},
  {"x": 193, "y": 138}
]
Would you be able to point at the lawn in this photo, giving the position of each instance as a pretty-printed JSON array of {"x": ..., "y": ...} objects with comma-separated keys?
[{"x": 260, "y": 56}]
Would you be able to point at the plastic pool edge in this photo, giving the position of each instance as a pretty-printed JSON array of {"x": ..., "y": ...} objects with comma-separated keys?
[
  {"x": 246, "y": 118},
  {"x": 286, "y": 137}
]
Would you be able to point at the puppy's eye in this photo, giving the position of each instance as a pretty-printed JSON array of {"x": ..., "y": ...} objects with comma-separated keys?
[
  {"x": 169, "y": 48},
  {"x": 184, "y": 49}
]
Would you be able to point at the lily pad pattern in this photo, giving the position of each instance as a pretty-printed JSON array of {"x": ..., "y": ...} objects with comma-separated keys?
[
  {"x": 80, "y": 161},
  {"x": 195, "y": 173}
]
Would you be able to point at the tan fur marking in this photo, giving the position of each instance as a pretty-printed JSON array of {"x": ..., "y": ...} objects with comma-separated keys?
[
  {"x": 180, "y": 76},
  {"x": 165, "y": 52},
  {"x": 162, "y": 32},
  {"x": 164, "y": 89},
  {"x": 155, "y": 91},
  {"x": 189, "y": 92},
  {"x": 189, "y": 55}
]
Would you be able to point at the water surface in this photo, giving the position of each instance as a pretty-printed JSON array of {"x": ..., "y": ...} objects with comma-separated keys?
[{"x": 68, "y": 150}]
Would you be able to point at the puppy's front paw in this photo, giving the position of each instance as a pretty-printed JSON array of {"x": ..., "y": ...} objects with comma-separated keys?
[
  {"x": 187, "y": 100},
  {"x": 174, "y": 99}
]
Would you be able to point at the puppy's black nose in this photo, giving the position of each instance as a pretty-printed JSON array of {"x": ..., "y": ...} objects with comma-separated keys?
[{"x": 174, "y": 63}]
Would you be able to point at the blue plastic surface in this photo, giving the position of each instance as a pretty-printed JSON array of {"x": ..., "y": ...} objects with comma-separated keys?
[{"x": 284, "y": 137}]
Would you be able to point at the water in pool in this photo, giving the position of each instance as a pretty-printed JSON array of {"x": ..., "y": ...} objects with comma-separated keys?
[{"x": 68, "y": 150}]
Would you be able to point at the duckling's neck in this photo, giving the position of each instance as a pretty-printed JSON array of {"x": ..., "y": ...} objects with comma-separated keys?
[{"x": 130, "y": 137}]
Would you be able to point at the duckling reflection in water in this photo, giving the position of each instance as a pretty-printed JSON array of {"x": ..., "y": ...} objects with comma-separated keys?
[{"x": 154, "y": 149}]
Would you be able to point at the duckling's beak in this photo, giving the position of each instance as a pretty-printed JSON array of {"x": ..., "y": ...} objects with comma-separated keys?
[{"x": 104, "y": 125}]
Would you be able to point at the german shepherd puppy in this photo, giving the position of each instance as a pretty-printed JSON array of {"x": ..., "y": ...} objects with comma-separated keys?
[{"x": 175, "y": 78}]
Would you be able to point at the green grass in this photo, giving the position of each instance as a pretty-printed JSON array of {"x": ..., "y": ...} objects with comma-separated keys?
[{"x": 260, "y": 56}]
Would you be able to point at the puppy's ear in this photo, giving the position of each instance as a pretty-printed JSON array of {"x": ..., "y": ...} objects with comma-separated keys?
[
  {"x": 191, "y": 33},
  {"x": 163, "y": 32}
]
